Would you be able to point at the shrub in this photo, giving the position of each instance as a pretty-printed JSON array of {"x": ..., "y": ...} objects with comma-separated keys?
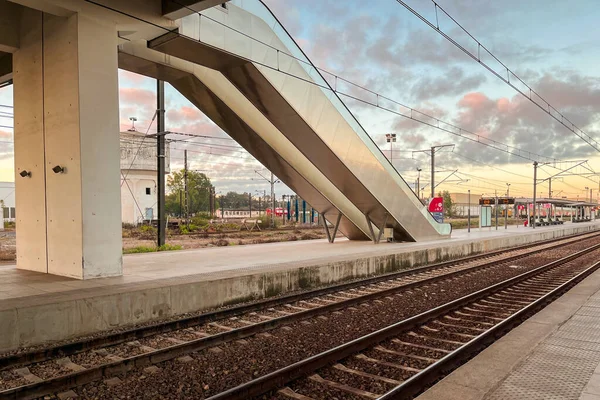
[
  {"x": 148, "y": 249},
  {"x": 169, "y": 247},
  {"x": 148, "y": 228}
]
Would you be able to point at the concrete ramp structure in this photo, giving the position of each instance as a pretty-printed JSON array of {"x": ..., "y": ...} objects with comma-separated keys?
[
  {"x": 235, "y": 62},
  {"x": 239, "y": 65}
]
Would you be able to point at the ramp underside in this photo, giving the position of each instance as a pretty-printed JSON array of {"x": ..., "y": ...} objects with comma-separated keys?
[
  {"x": 303, "y": 114},
  {"x": 222, "y": 115}
]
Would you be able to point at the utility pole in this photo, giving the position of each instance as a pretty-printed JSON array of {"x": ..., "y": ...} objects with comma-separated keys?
[
  {"x": 496, "y": 195},
  {"x": 185, "y": 186},
  {"x": 211, "y": 201},
  {"x": 419, "y": 182},
  {"x": 250, "y": 203},
  {"x": 432, "y": 152},
  {"x": 469, "y": 213},
  {"x": 535, "y": 165},
  {"x": 160, "y": 160},
  {"x": 272, "y": 182},
  {"x": 272, "y": 201}
]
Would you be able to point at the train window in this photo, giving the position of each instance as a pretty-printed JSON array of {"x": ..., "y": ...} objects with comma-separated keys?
[{"x": 148, "y": 191}]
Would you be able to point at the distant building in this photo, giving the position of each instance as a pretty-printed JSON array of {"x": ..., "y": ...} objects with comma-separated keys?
[
  {"x": 138, "y": 177},
  {"x": 462, "y": 205},
  {"x": 7, "y": 200}
]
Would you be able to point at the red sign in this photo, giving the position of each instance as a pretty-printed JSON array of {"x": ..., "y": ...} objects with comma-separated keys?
[
  {"x": 521, "y": 207},
  {"x": 278, "y": 211},
  {"x": 436, "y": 205}
]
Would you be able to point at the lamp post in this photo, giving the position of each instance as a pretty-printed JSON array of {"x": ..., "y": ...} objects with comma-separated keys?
[
  {"x": 469, "y": 213},
  {"x": 391, "y": 138},
  {"x": 508, "y": 190},
  {"x": 419, "y": 182}
]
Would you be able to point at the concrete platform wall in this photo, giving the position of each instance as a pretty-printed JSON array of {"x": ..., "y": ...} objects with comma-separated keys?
[{"x": 48, "y": 318}]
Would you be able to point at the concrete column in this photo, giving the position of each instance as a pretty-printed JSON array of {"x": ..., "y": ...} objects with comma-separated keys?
[{"x": 66, "y": 115}]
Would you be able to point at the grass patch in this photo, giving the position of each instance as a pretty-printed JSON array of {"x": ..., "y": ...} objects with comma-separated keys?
[{"x": 148, "y": 249}]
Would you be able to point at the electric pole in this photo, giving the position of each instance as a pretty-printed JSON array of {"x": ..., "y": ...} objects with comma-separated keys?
[
  {"x": 272, "y": 182},
  {"x": 432, "y": 152},
  {"x": 272, "y": 202},
  {"x": 418, "y": 182},
  {"x": 160, "y": 160},
  {"x": 185, "y": 186},
  {"x": 535, "y": 165},
  {"x": 469, "y": 213},
  {"x": 250, "y": 203}
]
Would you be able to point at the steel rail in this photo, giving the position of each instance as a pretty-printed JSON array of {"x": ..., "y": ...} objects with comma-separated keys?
[
  {"x": 307, "y": 366},
  {"x": 38, "y": 389},
  {"x": 421, "y": 380},
  {"x": 35, "y": 356}
]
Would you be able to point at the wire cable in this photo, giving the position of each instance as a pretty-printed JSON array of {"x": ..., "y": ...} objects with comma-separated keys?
[{"x": 541, "y": 102}]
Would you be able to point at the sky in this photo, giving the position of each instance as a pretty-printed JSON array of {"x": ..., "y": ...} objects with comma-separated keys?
[{"x": 380, "y": 45}]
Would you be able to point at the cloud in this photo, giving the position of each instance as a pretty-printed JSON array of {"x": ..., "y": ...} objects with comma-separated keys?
[{"x": 453, "y": 82}]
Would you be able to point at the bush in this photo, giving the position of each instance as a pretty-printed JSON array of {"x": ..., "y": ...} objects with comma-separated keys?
[
  {"x": 169, "y": 247},
  {"x": 10, "y": 224},
  {"x": 200, "y": 221},
  {"x": 148, "y": 249},
  {"x": 148, "y": 228}
]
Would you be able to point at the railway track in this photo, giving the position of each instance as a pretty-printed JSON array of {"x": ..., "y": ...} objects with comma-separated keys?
[
  {"x": 403, "y": 359},
  {"x": 50, "y": 370}
]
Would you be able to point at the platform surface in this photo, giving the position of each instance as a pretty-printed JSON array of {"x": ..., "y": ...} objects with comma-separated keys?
[
  {"x": 168, "y": 268},
  {"x": 553, "y": 355},
  {"x": 38, "y": 308}
]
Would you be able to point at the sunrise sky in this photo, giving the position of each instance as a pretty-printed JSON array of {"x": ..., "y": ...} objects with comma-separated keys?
[{"x": 554, "y": 46}]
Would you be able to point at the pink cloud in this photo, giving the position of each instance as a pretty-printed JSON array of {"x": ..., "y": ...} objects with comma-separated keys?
[{"x": 474, "y": 100}]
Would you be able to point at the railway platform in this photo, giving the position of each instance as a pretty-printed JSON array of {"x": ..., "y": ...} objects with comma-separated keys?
[
  {"x": 39, "y": 308},
  {"x": 553, "y": 355}
]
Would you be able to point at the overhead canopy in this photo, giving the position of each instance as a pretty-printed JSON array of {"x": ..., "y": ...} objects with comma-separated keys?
[{"x": 556, "y": 202}]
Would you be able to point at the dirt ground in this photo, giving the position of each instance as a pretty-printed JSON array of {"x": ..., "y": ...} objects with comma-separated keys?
[
  {"x": 201, "y": 240},
  {"x": 135, "y": 238}
]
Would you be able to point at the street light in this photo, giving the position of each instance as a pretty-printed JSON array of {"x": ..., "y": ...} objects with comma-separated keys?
[
  {"x": 133, "y": 120},
  {"x": 391, "y": 138},
  {"x": 508, "y": 190},
  {"x": 419, "y": 182}
]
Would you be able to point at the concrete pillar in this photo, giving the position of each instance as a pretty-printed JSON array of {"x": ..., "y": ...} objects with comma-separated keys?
[{"x": 66, "y": 115}]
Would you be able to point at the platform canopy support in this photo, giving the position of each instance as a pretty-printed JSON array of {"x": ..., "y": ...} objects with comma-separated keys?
[
  {"x": 376, "y": 238},
  {"x": 331, "y": 235},
  {"x": 67, "y": 146}
]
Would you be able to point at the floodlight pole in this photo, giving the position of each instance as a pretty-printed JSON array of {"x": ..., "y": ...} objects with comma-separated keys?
[
  {"x": 469, "y": 213},
  {"x": 535, "y": 165}
]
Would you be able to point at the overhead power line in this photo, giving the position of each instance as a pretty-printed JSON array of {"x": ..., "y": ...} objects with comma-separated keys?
[
  {"x": 406, "y": 112},
  {"x": 528, "y": 92}
]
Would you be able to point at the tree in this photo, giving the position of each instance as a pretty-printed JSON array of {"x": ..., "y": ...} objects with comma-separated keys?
[
  {"x": 198, "y": 191},
  {"x": 449, "y": 204}
]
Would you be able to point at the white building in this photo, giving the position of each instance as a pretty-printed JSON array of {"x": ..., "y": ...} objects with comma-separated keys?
[
  {"x": 138, "y": 177},
  {"x": 7, "y": 200},
  {"x": 138, "y": 164}
]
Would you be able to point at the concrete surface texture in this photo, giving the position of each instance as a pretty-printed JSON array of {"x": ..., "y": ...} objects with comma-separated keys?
[
  {"x": 66, "y": 116},
  {"x": 553, "y": 355},
  {"x": 37, "y": 308}
]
